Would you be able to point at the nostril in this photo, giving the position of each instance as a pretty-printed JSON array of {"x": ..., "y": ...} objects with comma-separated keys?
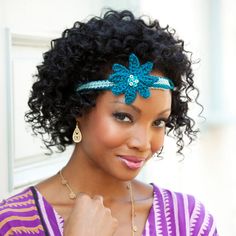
[{"x": 141, "y": 144}]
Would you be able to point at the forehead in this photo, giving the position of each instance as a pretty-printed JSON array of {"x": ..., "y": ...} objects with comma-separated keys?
[{"x": 158, "y": 101}]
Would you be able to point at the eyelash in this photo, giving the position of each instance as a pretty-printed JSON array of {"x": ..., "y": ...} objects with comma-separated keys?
[{"x": 120, "y": 116}]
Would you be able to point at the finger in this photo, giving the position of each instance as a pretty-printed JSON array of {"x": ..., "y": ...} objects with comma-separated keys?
[
  {"x": 115, "y": 222},
  {"x": 98, "y": 198},
  {"x": 108, "y": 211},
  {"x": 83, "y": 196},
  {"x": 79, "y": 194}
]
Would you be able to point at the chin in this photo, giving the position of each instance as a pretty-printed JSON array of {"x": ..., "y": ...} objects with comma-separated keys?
[{"x": 127, "y": 175}]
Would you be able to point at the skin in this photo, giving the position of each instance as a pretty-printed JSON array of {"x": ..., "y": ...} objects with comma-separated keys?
[{"x": 96, "y": 170}]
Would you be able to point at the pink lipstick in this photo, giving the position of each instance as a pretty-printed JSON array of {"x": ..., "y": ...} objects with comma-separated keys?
[{"x": 132, "y": 162}]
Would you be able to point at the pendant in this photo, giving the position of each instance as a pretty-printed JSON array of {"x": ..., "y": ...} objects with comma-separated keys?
[
  {"x": 72, "y": 195},
  {"x": 134, "y": 228}
]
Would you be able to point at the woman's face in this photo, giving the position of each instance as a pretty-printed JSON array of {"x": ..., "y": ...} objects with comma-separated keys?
[{"x": 118, "y": 139}]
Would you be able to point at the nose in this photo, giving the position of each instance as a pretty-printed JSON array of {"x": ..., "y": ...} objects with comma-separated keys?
[{"x": 140, "y": 139}]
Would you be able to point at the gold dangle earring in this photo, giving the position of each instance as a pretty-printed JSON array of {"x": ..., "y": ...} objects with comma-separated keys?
[{"x": 77, "y": 136}]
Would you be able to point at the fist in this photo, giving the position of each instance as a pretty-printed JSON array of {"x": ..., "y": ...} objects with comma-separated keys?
[{"x": 90, "y": 217}]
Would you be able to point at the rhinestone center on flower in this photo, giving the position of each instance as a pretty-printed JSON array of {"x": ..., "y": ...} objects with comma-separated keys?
[{"x": 133, "y": 80}]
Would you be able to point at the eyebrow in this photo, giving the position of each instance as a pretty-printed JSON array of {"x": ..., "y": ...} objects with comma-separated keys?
[{"x": 138, "y": 110}]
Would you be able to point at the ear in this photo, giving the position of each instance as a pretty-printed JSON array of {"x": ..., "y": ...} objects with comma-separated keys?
[
  {"x": 80, "y": 119},
  {"x": 83, "y": 118}
]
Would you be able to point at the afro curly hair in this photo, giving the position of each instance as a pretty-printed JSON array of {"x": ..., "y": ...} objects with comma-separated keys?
[{"x": 86, "y": 52}]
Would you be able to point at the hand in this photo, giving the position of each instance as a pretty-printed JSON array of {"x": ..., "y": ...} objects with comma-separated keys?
[{"x": 90, "y": 217}]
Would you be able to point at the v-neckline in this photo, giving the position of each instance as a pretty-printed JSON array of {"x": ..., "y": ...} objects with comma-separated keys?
[{"x": 57, "y": 215}]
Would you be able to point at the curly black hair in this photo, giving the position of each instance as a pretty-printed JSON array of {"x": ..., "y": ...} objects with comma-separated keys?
[{"x": 86, "y": 52}]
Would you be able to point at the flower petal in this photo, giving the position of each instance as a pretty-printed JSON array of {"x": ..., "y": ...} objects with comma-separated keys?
[
  {"x": 149, "y": 80},
  {"x": 144, "y": 91},
  {"x": 146, "y": 68},
  {"x": 130, "y": 95},
  {"x": 118, "y": 68},
  {"x": 133, "y": 64},
  {"x": 118, "y": 77},
  {"x": 119, "y": 89}
]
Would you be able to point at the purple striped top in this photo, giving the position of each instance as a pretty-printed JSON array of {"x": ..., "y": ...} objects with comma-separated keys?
[{"x": 171, "y": 214}]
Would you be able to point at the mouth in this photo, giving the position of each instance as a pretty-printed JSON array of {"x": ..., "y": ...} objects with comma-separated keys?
[{"x": 132, "y": 162}]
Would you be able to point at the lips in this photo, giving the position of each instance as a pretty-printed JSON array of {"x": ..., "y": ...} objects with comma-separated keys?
[{"x": 132, "y": 162}]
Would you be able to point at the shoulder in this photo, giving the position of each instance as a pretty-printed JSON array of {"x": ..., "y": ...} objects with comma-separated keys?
[
  {"x": 184, "y": 211},
  {"x": 179, "y": 200},
  {"x": 17, "y": 213},
  {"x": 15, "y": 205}
]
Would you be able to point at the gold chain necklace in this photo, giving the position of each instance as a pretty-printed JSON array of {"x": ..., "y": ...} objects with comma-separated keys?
[{"x": 72, "y": 196}]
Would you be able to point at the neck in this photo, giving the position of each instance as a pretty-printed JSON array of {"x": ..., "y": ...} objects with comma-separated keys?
[
  {"x": 84, "y": 176},
  {"x": 88, "y": 179}
]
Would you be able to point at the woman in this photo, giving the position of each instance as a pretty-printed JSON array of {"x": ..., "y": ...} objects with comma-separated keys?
[{"x": 113, "y": 86}]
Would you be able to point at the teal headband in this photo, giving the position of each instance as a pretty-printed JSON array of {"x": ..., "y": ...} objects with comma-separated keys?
[{"x": 129, "y": 81}]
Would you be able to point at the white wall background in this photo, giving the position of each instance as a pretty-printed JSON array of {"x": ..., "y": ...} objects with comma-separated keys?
[
  {"x": 209, "y": 30},
  {"x": 3, "y": 128}
]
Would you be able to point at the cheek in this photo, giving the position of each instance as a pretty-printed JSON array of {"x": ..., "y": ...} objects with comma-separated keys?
[
  {"x": 158, "y": 141},
  {"x": 106, "y": 133}
]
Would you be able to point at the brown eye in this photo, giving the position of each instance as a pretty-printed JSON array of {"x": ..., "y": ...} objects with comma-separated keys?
[
  {"x": 160, "y": 123},
  {"x": 121, "y": 116}
]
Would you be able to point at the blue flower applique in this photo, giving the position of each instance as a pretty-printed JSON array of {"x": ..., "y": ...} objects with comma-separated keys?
[{"x": 129, "y": 81}]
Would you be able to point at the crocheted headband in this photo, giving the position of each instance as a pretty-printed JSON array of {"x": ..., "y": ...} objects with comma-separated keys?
[{"x": 129, "y": 81}]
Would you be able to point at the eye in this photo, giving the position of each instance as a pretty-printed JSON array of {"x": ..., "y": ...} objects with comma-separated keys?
[
  {"x": 161, "y": 123},
  {"x": 122, "y": 116}
]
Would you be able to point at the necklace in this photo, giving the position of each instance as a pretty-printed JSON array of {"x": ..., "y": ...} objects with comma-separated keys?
[{"x": 72, "y": 195}]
